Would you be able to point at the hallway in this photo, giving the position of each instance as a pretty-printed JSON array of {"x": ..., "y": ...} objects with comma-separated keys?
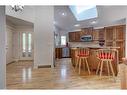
[{"x": 21, "y": 75}]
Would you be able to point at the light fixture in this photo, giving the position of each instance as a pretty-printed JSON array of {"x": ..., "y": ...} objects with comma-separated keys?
[
  {"x": 17, "y": 8},
  {"x": 77, "y": 25},
  {"x": 93, "y": 22},
  {"x": 63, "y": 14}
]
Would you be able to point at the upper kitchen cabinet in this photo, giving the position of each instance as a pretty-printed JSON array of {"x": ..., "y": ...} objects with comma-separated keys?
[
  {"x": 75, "y": 36},
  {"x": 115, "y": 36},
  {"x": 109, "y": 33},
  {"x": 98, "y": 34},
  {"x": 109, "y": 36},
  {"x": 86, "y": 31},
  {"x": 72, "y": 36},
  {"x": 120, "y": 32}
]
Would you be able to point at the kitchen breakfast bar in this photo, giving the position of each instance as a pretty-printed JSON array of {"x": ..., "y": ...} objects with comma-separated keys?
[{"x": 93, "y": 61}]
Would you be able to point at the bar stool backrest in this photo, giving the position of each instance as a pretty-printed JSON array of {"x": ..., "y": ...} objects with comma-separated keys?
[
  {"x": 82, "y": 52},
  {"x": 106, "y": 54}
]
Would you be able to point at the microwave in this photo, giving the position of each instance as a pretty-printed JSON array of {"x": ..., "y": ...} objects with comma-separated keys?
[{"x": 86, "y": 38}]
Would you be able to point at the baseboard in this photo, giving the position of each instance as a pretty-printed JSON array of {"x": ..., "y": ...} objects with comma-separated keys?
[{"x": 45, "y": 66}]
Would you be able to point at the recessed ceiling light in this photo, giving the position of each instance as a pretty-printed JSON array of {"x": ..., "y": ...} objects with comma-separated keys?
[
  {"x": 93, "y": 22},
  {"x": 63, "y": 14},
  {"x": 77, "y": 25}
]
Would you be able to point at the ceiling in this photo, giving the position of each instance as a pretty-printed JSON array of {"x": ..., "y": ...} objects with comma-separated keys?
[
  {"x": 17, "y": 21},
  {"x": 107, "y": 15}
]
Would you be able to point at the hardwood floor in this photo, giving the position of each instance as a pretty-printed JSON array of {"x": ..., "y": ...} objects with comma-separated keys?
[{"x": 21, "y": 75}]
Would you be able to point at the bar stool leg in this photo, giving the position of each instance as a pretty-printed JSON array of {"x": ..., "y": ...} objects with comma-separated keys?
[
  {"x": 80, "y": 65},
  {"x": 108, "y": 67},
  {"x": 102, "y": 62},
  {"x": 87, "y": 66},
  {"x": 98, "y": 67},
  {"x": 84, "y": 63},
  {"x": 112, "y": 70},
  {"x": 77, "y": 62}
]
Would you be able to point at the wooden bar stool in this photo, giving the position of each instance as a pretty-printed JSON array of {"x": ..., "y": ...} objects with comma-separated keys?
[
  {"x": 106, "y": 56},
  {"x": 81, "y": 58}
]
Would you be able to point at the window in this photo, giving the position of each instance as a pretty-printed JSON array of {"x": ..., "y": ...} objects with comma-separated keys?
[
  {"x": 84, "y": 12},
  {"x": 63, "y": 40},
  {"x": 29, "y": 42},
  {"x": 24, "y": 42}
]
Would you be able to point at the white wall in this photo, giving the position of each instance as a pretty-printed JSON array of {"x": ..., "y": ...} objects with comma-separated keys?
[
  {"x": 44, "y": 36},
  {"x": 9, "y": 44},
  {"x": 27, "y": 14},
  {"x": 2, "y": 48},
  {"x": 126, "y": 39}
]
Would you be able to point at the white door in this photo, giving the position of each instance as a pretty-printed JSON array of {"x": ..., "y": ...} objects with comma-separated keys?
[{"x": 26, "y": 45}]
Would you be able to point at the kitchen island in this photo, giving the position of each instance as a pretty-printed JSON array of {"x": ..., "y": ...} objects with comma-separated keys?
[{"x": 93, "y": 60}]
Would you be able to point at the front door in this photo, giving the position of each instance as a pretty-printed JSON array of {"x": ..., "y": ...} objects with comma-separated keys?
[{"x": 26, "y": 46}]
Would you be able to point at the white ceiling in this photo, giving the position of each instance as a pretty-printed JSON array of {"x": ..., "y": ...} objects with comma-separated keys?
[
  {"x": 18, "y": 22},
  {"x": 107, "y": 15}
]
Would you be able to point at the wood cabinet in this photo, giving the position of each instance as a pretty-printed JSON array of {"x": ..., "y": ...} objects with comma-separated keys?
[
  {"x": 98, "y": 34},
  {"x": 86, "y": 31},
  {"x": 75, "y": 36},
  {"x": 58, "y": 53},
  {"x": 115, "y": 36},
  {"x": 72, "y": 36},
  {"x": 123, "y": 76}
]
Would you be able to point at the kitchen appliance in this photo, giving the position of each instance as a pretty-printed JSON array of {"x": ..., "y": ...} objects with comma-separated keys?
[
  {"x": 65, "y": 52},
  {"x": 86, "y": 38}
]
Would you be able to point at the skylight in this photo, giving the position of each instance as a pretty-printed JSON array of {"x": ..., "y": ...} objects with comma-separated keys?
[{"x": 84, "y": 12}]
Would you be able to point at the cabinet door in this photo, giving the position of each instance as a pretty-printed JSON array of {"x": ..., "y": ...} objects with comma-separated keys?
[
  {"x": 120, "y": 32},
  {"x": 84, "y": 31},
  {"x": 109, "y": 33},
  {"x": 77, "y": 36},
  {"x": 95, "y": 35},
  {"x": 72, "y": 36},
  {"x": 58, "y": 53},
  {"x": 121, "y": 44},
  {"x": 101, "y": 34}
]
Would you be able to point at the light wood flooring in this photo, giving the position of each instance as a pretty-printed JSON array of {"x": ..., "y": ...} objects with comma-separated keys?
[{"x": 21, "y": 75}]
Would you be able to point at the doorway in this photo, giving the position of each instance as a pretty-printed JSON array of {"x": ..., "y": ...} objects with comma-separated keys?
[{"x": 26, "y": 46}]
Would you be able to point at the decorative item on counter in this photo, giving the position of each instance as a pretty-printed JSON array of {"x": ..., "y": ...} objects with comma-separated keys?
[{"x": 101, "y": 42}]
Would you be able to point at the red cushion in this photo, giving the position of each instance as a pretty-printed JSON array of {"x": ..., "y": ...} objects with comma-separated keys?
[{"x": 106, "y": 56}]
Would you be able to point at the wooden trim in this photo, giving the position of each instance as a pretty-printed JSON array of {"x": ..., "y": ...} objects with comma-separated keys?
[{"x": 45, "y": 66}]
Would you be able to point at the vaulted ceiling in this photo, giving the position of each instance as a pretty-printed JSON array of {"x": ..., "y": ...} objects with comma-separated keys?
[{"x": 107, "y": 15}]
